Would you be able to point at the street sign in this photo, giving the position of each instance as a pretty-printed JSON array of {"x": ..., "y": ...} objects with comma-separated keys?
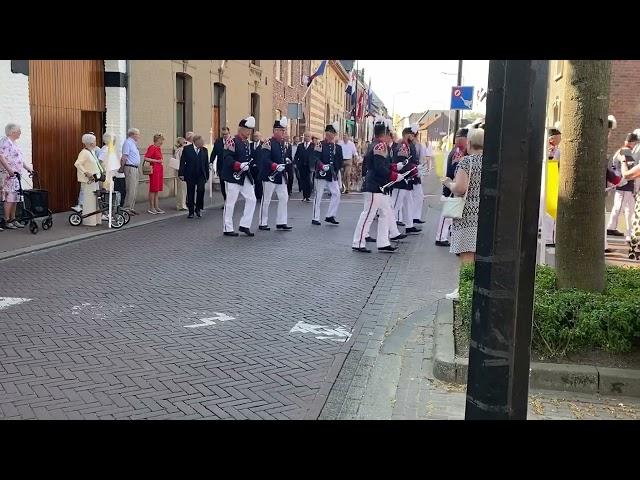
[
  {"x": 294, "y": 111},
  {"x": 461, "y": 98}
]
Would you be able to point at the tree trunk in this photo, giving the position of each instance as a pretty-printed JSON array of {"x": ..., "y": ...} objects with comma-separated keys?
[{"x": 581, "y": 199}]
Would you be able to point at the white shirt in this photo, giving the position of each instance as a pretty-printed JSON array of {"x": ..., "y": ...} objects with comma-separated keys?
[{"x": 348, "y": 150}]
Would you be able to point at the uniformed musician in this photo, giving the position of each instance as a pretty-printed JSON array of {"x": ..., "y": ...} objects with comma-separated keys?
[
  {"x": 238, "y": 179},
  {"x": 328, "y": 161},
  {"x": 273, "y": 175}
]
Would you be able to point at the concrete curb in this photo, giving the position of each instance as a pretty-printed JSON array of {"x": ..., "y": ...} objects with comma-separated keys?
[
  {"x": 545, "y": 376},
  {"x": 77, "y": 238}
]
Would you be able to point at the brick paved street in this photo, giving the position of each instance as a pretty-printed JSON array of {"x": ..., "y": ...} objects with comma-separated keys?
[
  {"x": 98, "y": 341},
  {"x": 185, "y": 323}
]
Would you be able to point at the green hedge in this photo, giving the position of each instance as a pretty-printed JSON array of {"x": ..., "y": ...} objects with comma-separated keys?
[{"x": 568, "y": 321}]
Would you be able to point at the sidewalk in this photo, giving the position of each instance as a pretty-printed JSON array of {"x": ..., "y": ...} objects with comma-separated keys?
[{"x": 20, "y": 242}]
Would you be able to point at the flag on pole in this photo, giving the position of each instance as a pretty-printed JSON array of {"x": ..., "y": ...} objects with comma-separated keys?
[
  {"x": 318, "y": 73},
  {"x": 351, "y": 86},
  {"x": 481, "y": 94},
  {"x": 360, "y": 106}
]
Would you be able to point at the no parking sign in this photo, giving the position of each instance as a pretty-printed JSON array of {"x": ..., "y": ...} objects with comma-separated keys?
[{"x": 461, "y": 98}]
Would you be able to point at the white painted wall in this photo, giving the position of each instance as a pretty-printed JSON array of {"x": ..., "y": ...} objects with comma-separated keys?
[
  {"x": 14, "y": 108},
  {"x": 116, "y": 103}
]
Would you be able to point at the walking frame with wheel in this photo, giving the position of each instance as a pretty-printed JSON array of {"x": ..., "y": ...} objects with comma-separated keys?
[
  {"x": 119, "y": 217},
  {"x": 34, "y": 203}
]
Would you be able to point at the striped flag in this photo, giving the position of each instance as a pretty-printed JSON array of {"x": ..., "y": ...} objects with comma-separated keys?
[
  {"x": 318, "y": 73},
  {"x": 351, "y": 86}
]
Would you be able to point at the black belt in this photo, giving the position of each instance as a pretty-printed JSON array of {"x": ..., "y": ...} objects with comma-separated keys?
[{"x": 132, "y": 166}]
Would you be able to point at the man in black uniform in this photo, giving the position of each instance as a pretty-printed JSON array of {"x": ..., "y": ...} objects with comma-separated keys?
[
  {"x": 255, "y": 163},
  {"x": 273, "y": 162},
  {"x": 328, "y": 161},
  {"x": 236, "y": 174},
  {"x": 379, "y": 173}
]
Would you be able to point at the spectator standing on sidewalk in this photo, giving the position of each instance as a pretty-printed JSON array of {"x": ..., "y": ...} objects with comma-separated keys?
[
  {"x": 624, "y": 200},
  {"x": 89, "y": 174},
  {"x": 130, "y": 164},
  {"x": 181, "y": 186},
  {"x": 216, "y": 155},
  {"x": 11, "y": 162},
  {"x": 156, "y": 178},
  {"x": 456, "y": 154},
  {"x": 464, "y": 230},
  {"x": 349, "y": 153}
]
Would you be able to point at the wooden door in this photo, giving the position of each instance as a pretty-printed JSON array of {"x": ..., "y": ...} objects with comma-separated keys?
[
  {"x": 59, "y": 92},
  {"x": 215, "y": 121}
]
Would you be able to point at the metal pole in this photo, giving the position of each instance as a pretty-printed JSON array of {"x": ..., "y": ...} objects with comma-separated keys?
[
  {"x": 499, "y": 354},
  {"x": 456, "y": 125}
]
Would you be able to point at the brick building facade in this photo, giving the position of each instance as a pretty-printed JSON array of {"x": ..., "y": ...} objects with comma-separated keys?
[{"x": 289, "y": 87}]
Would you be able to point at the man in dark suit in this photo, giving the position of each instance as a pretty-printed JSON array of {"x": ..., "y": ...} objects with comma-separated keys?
[
  {"x": 194, "y": 169},
  {"x": 254, "y": 149},
  {"x": 302, "y": 162},
  {"x": 289, "y": 167},
  {"x": 217, "y": 154}
]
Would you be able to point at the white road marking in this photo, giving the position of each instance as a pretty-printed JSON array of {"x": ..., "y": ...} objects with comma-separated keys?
[
  {"x": 221, "y": 317},
  {"x": 323, "y": 332},
  {"x": 6, "y": 302}
]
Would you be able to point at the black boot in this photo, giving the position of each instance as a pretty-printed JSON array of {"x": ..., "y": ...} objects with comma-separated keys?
[
  {"x": 413, "y": 230},
  {"x": 361, "y": 249},
  {"x": 284, "y": 227},
  {"x": 331, "y": 220},
  {"x": 263, "y": 227},
  {"x": 231, "y": 234},
  {"x": 388, "y": 248},
  {"x": 246, "y": 231}
]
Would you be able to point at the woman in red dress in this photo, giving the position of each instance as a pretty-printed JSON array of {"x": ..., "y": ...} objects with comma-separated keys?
[{"x": 156, "y": 179}]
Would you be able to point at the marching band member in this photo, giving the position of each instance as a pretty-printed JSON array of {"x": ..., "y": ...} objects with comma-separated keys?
[
  {"x": 328, "y": 161},
  {"x": 383, "y": 135},
  {"x": 379, "y": 173},
  {"x": 273, "y": 161},
  {"x": 405, "y": 157},
  {"x": 417, "y": 193},
  {"x": 238, "y": 179}
]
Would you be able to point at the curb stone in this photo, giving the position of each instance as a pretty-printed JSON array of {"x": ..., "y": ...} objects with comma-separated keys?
[{"x": 545, "y": 376}]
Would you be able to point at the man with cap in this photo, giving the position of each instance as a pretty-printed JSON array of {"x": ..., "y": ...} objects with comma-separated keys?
[
  {"x": 417, "y": 193},
  {"x": 624, "y": 193},
  {"x": 236, "y": 174},
  {"x": 406, "y": 159},
  {"x": 328, "y": 161},
  {"x": 457, "y": 153},
  {"x": 382, "y": 132},
  {"x": 273, "y": 162},
  {"x": 379, "y": 173}
]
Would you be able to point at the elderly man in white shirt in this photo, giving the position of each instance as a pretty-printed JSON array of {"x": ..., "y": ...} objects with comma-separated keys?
[{"x": 349, "y": 154}]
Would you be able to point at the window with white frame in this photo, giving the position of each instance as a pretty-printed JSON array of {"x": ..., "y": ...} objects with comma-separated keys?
[
  {"x": 290, "y": 73},
  {"x": 301, "y": 72},
  {"x": 279, "y": 70}
]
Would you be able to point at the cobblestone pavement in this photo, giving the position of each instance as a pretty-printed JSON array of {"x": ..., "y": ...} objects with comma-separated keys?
[{"x": 173, "y": 320}]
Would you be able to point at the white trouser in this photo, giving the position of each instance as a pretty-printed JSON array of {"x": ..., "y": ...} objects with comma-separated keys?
[
  {"x": 443, "y": 232},
  {"x": 417, "y": 197},
  {"x": 181, "y": 194},
  {"x": 622, "y": 202},
  {"x": 401, "y": 201},
  {"x": 373, "y": 203},
  {"x": 283, "y": 198},
  {"x": 334, "y": 203},
  {"x": 389, "y": 215},
  {"x": 233, "y": 190}
]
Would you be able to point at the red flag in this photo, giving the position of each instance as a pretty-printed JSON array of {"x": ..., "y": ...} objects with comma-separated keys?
[{"x": 360, "y": 106}]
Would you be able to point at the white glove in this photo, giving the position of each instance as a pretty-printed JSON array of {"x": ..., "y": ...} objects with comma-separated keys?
[
  {"x": 280, "y": 168},
  {"x": 325, "y": 168},
  {"x": 244, "y": 166},
  {"x": 287, "y": 161},
  {"x": 400, "y": 165}
]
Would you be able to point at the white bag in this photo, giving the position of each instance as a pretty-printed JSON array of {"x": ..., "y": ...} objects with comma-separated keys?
[{"x": 453, "y": 207}]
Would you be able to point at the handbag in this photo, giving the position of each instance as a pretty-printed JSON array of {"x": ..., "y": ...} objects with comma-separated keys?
[
  {"x": 453, "y": 207},
  {"x": 147, "y": 169}
]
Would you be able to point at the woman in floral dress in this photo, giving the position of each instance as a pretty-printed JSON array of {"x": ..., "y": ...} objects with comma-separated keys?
[{"x": 11, "y": 162}]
